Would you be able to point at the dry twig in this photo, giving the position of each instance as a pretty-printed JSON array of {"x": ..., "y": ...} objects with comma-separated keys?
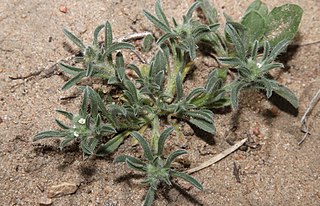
[
  {"x": 304, "y": 126},
  {"x": 218, "y": 157}
]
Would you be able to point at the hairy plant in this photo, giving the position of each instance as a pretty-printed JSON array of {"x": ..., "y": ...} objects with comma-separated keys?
[
  {"x": 156, "y": 168},
  {"x": 254, "y": 71},
  {"x": 155, "y": 91}
]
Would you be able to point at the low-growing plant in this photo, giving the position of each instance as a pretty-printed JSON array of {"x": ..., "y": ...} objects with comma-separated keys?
[
  {"x": 155, "y": 92},
  {"x": 157, "y": 168}
]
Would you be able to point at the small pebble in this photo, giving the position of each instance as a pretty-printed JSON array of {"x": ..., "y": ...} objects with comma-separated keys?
[
  {"x": 44, "y": 201},
  {"x": 63, "y": 9}
]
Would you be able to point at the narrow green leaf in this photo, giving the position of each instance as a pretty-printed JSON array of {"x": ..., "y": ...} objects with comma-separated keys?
[
  {"x": 108, "y": 35},
  {"x": 89, "y": 69},
  {"x": 266, "y": 51},
  {"x": 122, "y": 158},
  {"x": 74, "y": 80},
  {"x": 111, "y": 145},
  {"x": 84, "y": 105},
  {"x": 164, "y": 37},
  {"x": 173, "y": 156},
  {"x": 66, "y": 114},
  {"x": 269, "y": 67},
  {"x": 287, "y": 94},
  {"x": 195, "y": 93},
  {"x": 280, "y": 47},
  {"x": 64, "y": 142},
  {"x": 187, "y": 178},
  {"x": 61, "y": 124},
  {"x": 254, "y": 50},
  {"x": 209, "y": 11},
  {"x": 47, "y": 134},
  {"x": 96, "y": 34},
  {"x": 157, "y": 22},
  {"x": 235, "y": 89},
  {"x": 74, "y": 39},
  {"x": 149, "y": 197},
  {"x": 179, "y": 86},
  {"x": 135, "y": 166},
  {"x": 233, "y": 61},
  {"x": 70, "y": 69},
  {"x": 107, "y": 129},
  {"x": 135, "y": 69},
  {"x": 145, "y": 146},
  {"x": 192, "y": 8},
  {"x": 204, "y": 125},
  {"x": 203, "y": 114},
  {"x": 236, "y": 40},
  {"x": 160, "y": 14},
  {"x": 163, "y": 136},
  {"x": 118, "y": 46}
]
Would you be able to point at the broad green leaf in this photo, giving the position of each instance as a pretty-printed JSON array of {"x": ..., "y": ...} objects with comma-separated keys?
[
  {"x": 147, "y": 43},
  {"x": 74, "y": 39},
  {"x": 283, "y": 23},
  {"x": 258, "y": 6},
  {"x": 187, "y": 178},
  {"x": 204, "y": 125},
  {"x": 255, "y": 27},
  {"x": 144, "y": 144}
]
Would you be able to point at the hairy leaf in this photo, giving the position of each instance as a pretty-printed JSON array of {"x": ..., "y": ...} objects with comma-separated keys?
[{"x": 187, "y": 178}]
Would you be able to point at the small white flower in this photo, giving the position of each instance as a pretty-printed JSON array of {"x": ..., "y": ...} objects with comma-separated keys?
[
  {"x": 74, "y": 126},
  {"x": 82, "y": 121},
  {"x": 76, "y": 134},
  {"x": 259, "y": 65}
]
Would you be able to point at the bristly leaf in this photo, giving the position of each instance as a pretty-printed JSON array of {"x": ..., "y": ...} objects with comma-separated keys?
[
  {"x": 74, "y": 39},
  {"x": 147, "y": 42},
  {"x": 149, "y": 197},
  {"x": 47, "y": 134},
  {"x": 254, "y": 50},
  {"x": 118, "y": 46},
  {"x": 203, "y": 114},
  {"x": 61, "y": 124},
  {"x": 96, "y": 34},
  {"x": 74, "y": 80},
  {"x": 209, "y": 11},
  {"x": 179, "y": 86},
  {"x": 163, "y": 136},
  {"x": 122, "y": 158},
  {"x": 111, "y": 145},
  {"x": 157, "y": 22},
  {"x": 135, "y": 166},
  {"x": 66, "y": 114},
  {"x": 287, "y": 94},
  {"x": 204, "y": 125},
  {"x": 89, "y": 69},
  {"x": 160, "y": 14},
  {"x": 192, "y": 8},
  {"x": 145, "y": 146},
  {"x": 70, "y": 69},
  {"x": 229, "y": 61},
  {"x": 108, "y": 35},
  {"x": 280, "y": 47},
  {"x": 173, "y": 156},
  {"x": 236, "y": 40},
  {"x": 187, "y": 178}
]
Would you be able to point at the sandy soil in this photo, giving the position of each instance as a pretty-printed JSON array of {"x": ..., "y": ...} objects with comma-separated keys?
[{"x": 274, "y": 170}]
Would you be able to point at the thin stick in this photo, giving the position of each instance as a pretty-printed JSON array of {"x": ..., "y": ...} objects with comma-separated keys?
[
  {"x": 304, "y": 119},
  {"x": 218, "y": 157},
  {"x": 133, "y": 36}
]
